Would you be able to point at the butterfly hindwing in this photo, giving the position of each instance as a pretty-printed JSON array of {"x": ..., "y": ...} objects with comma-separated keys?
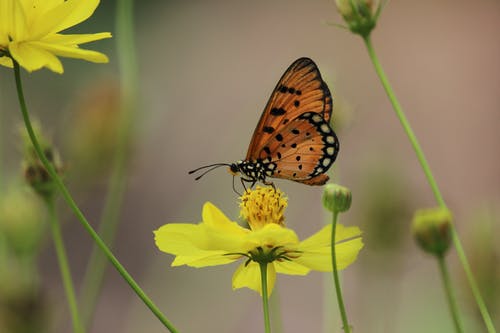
[
  {"x": 302, "y": 150},
  {"x": 301, "y": 89}
]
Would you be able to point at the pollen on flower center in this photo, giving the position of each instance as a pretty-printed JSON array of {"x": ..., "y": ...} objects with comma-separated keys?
[{"x": 262, "y": 206}]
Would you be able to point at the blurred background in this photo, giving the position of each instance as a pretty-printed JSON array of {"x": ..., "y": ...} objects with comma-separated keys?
[{"x": 206, "y": 70}]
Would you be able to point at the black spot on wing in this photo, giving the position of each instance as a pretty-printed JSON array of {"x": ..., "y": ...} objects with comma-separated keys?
[
  {"x": 268, "y": 129},
  {"x": 277, "y": 111}
]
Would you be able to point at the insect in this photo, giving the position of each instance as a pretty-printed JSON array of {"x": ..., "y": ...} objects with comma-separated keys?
[{"x": 293, "y": 138}]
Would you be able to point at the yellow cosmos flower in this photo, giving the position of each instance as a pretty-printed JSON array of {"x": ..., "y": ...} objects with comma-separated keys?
[
  {"x": 29, "y": 33},
  {"x": 217, "y": 241}
]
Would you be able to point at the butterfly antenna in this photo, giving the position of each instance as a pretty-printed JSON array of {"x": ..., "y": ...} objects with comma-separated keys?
[{"x": 210, "y": 168}]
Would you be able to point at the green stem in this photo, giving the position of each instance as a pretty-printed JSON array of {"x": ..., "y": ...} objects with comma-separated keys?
[
  {"x": 275, "y": 309},
  {"x": 430, "y": 179},
  {"x": 404, "y": 122},
  {"x": 81, "y": 218},
  {"x": 265, "y": 298},
  {"x": 108, "y": 225},
  {"x": 63, "y": 265},
  {"x": 452, "y": 303},
  {"x": 336, "y": 280}
]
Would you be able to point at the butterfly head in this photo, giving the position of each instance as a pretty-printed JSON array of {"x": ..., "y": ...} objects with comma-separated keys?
[{"x": 234, "y": 168}]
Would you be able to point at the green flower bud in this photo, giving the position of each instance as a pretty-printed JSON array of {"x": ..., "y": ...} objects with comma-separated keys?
[
  {"x": 344, "y": 7},
  {"x": 337, "y": 198},
  {"x": 21, "y": 220},
  {"x": 34, "y": 172},
  {"x": 432, "y": 230},
  {"x": 360, "y": 15}
]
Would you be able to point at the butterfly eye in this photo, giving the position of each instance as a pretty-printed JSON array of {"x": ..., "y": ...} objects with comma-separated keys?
[{"x": 233, "y": 169}]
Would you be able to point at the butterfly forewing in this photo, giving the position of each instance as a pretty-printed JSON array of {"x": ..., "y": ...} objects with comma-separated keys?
[{"x": 301, "y": 89}]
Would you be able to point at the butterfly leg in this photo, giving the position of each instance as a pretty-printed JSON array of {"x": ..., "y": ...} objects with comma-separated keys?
[
  {"x": 269, "y": 184},
  {"x": 234, "y": 189},
  {"x": 245, "y": 180}
]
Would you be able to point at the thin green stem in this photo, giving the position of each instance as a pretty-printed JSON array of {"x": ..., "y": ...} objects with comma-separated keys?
[
  {"x": 336, "y": 280},
  {"x": 81, "y": 218},
  {"x": 430, "y": 179},
  {"x": 63, "y": 265},
  {"x": 472, "y": 283},
  {"x": 265, "y": 298},
  {"x": 108, "y": 225},
  {"x": 450, "y": 295},
  {"x": 275, "y": 309},
  {"x": 404, "y": 122}
]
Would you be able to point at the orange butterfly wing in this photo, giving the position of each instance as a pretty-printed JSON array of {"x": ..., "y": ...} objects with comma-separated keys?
[
  {"x": 301, "y": 89},
  {"x": 303, "y": 150}
]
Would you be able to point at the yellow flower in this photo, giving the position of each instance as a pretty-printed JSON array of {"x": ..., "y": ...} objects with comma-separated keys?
[
  {"x": 29, "y": 33},
  {"x": 218, "y": 241}
]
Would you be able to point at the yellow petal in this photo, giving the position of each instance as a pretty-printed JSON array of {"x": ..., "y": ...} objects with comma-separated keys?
[
  {"x": 76, "y": 39},
  {"x": 191, "y": 245},
  {"x": 347, "y": 252},
  {"x": 320, "y": 259},
  {"x": 63, "y": 16},
  {"x": 180, "y": 238},
  {"x": 204, "y": 259},
  {"x": 290, "y": 267},
  {"x": 6, "y": 61},
  {"x": 343, "y": 232},
  {"x": 249, "y": 276},
  {"x": 72, "y": 52},
  {"x": 322, "y": 237},
  {"x": 34, "y": 9},
  {"x": 198, "y": 245},
  {"x": 13, "y": 21},
  {"x": 271, "y": 235},
  {"x": 215, "y": 218},
  {"x": 32, "y": 57}
]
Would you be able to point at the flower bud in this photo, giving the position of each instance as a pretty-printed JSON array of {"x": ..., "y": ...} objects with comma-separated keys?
[
  {"x": 344, "y": 8},
  {"x": 360, "y": 15},
  {"x": 21, "y": 220},
  {"x": 34, "y": 171},
  {"x": 432, "y": 230},
  {"x": 337, "y": 198}
]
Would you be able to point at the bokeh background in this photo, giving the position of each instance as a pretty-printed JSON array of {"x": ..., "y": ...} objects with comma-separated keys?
[{"x": 206, "y": 70}]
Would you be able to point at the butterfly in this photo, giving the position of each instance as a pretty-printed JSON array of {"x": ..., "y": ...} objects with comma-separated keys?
[{"x": 293, "y": 139}]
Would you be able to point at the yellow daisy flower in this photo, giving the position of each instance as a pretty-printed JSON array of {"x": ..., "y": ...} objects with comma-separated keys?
[
  {"x": 217, "y": 241},
  {"x": 30, "y": 33}
]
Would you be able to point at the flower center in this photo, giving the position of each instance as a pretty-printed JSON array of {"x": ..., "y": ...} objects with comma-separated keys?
[{"x": 262, "y": 206}]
